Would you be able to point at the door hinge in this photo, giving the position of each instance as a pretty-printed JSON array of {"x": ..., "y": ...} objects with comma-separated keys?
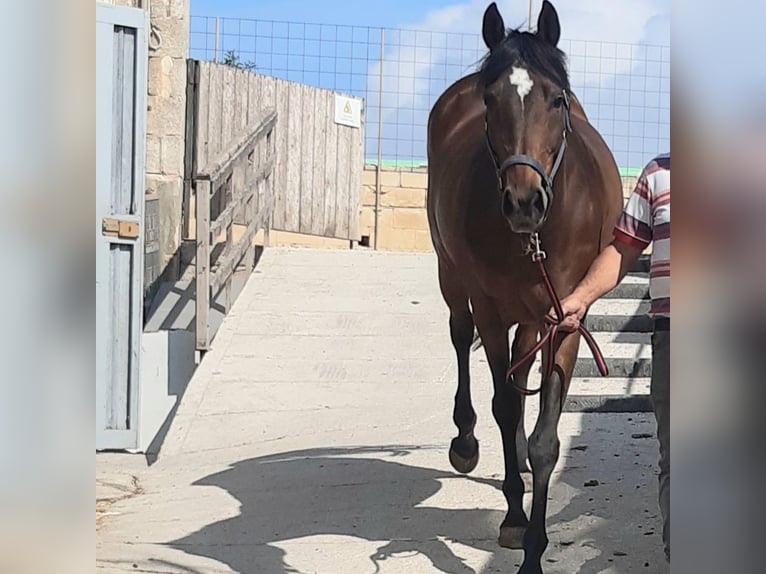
[{"x": 119, "y": 228}]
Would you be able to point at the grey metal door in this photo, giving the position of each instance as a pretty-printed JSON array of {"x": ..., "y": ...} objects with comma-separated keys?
[{"x": 121, "y": 60}]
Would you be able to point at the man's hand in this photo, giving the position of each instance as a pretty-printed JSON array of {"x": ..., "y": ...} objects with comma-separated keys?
[{"x": 574, "y": 310}]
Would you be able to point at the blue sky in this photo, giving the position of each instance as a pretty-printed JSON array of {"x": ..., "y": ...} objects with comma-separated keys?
[
  {"x": 386, "y": 13},
  {"x": 618, "y": 66}
]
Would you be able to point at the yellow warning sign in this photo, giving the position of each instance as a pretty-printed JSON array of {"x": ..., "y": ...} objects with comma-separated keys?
[{"x": 348, "y": 111}]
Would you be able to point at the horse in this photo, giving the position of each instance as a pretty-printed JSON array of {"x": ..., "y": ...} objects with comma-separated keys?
[{"x": 523, "y": 194}]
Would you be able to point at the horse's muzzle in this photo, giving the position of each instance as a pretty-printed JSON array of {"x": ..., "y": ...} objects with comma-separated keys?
[{"x": 525, "y": 213}]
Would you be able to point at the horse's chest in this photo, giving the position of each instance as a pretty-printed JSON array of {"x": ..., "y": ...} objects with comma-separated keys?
[{"x": 518, "y": 298}]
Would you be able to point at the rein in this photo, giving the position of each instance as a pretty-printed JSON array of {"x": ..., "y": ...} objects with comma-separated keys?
[
  {"x": 550, "y": 336},
  {"x": 539, "y": 255}
]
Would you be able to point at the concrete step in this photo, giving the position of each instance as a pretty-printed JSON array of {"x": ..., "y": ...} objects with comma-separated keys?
[
  {"x": 619, "y": 307},
  {"x": 618, "y": 367},
  {"x": 625, "y": 323},
  {"x": 619, "y": 386},
  {"x": 629, "y": 290},
  {"x": 608, "y": 404},
  {"x": 642, "y": 264},
  {"x": 612, "y": 348}
]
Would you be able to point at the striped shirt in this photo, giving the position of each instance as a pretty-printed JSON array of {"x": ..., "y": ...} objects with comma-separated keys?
[{"x": 646, "y": 219}]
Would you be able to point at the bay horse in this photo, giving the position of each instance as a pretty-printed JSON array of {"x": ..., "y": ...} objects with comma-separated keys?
[{"x": 523, "y": 193}]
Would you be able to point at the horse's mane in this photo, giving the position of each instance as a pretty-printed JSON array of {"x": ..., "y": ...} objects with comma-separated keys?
[{"x": 529, "y": 48}]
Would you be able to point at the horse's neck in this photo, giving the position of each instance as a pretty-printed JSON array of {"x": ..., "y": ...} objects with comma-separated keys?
[{"x": 575, "y": 108}]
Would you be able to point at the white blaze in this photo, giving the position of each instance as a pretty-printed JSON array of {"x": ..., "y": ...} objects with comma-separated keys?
[{"x": 520, "y": 78}]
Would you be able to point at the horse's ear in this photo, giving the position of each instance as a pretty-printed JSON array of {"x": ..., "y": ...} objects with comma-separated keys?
[
  {"x": 548, "y": 27},
  {"x": 493, "y": 27}
]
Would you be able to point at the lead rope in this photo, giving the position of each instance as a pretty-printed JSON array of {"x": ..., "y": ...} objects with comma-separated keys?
[{"x": 550, "y": 336}]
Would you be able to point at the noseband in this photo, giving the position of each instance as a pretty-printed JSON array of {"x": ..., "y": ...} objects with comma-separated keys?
[{"x": 529, "y": 161}]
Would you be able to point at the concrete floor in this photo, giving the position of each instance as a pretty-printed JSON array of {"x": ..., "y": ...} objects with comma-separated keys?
[{"x": 313, "y": 438}]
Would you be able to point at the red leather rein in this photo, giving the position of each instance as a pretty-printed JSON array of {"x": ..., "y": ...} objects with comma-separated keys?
[{"x": 550, "y": 336}]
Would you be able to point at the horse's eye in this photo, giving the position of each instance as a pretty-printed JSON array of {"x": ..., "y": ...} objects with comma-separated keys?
[{"x": 558, "y": 102}]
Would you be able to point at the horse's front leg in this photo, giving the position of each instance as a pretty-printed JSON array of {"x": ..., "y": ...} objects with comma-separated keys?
[
  {"x": 506, "y": 408},
  {"x": 524, "y": 339},
  {"x": 464, "y": 448},
  {"x": 544, "y": 448}
]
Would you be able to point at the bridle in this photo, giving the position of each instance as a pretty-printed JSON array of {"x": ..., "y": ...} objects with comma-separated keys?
[
  {"x": 538, "y": 256},
  {"x": 522, "y": 159}
]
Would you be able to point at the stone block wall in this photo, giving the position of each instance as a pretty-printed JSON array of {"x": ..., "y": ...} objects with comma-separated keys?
[
  {"x": 402, "y": 222},
  {"x": 166, "y": 125}
]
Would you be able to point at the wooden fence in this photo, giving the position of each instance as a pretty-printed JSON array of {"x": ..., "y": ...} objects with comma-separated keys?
[{"x": 319, "y": 163}]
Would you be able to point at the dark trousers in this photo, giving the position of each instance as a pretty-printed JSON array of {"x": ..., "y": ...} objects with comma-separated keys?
[{"x": 660, "y": 393}]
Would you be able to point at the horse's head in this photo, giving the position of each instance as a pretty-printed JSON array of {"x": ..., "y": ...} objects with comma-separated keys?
[{"x": 526, "y": 93}]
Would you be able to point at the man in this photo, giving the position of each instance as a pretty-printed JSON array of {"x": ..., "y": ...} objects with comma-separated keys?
[{"x": 645, "y": 219}]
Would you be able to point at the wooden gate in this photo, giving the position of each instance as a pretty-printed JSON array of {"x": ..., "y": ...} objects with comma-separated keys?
[{"x": 319, "y": 162}]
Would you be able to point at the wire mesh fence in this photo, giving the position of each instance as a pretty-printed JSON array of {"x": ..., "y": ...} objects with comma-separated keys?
[{"x": 625, "y": 88}]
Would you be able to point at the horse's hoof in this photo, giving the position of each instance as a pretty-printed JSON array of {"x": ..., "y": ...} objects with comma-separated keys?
[
  {"x": 512, "y": 537},
  {"x": 530, "y": 568},
  {"x": 464, "y": 464}
]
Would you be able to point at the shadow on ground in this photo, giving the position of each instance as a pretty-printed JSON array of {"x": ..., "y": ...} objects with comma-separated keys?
[{"x": 373, "y": 494}]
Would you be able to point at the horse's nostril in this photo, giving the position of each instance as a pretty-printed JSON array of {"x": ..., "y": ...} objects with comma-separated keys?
[
  {"x": 539, "y": 201},
  {"x": 507, "y": 203}
]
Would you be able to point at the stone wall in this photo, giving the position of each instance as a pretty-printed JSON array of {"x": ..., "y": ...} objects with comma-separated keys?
[
  {"x": 402, "y": 223},
  {"x": 166, "y": 125}
]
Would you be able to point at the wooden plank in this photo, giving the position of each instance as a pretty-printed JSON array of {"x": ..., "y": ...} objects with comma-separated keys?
[
  {"x": 344, "y": 181},
  {"x": 356, "y": 166},
  {"x": 318, "y": 191},
  {"x": 279, "y": 219},
  {"x": 215, "y": 132},
  {"x": 258, "y": 84},
  {"x": 202, "y": 120},
  {"x": 228, "y": 96},
  {"x": 236, "y": 103},
  {"x": 307, "y": 158},
  {"x": 268, "y": 99},
  {"x": 242, "y": 85},
  {"x": 267, "y": 91},
  {"x": 330, "y": 190},
  {"x": 202, "y": 265},
  {"x": 252, "y": 97},
  {"x": 292, "y": 191},
  {"x": 232, "y": 190}
]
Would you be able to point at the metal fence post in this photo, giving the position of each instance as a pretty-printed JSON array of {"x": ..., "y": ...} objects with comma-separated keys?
[
  {"x": 215, "y": 46},
  {"x": 529, "y": 22},
  {"x": 380, "y": 138}
]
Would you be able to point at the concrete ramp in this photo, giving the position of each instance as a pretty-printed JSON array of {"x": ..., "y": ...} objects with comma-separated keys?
[{"x": 314, "y": 436}]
